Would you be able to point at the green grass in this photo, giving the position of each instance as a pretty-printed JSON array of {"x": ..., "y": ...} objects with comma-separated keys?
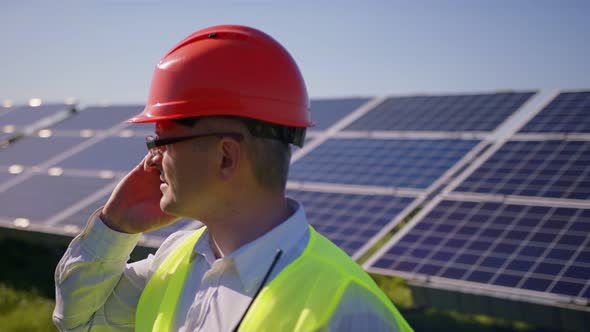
[
  {"x": 26, "y": 285},
  {"x": 24, "y": 311},
  {"x": 430, "y": 319}
]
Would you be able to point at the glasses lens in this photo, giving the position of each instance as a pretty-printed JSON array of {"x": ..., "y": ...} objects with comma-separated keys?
[{"x": 152, "y": 148}]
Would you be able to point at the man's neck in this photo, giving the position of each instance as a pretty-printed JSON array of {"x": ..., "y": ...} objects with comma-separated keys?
[{"x": 243, "y": 225}]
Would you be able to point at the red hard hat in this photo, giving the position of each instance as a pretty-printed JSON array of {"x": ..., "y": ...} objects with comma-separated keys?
[{"x": 228, "y": 70}]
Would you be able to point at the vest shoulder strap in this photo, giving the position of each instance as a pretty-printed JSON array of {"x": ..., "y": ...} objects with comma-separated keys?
[{"x": 157, "y": 304}]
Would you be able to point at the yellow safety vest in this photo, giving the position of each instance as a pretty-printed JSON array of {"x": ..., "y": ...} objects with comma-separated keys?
[{"x": 302, "y": 297}]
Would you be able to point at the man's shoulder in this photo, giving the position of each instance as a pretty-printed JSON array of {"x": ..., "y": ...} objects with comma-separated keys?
[
  {"x": 171, "y": 242},
  {"x": 323, "y": 248},
  {"x": 325, "y": 260}
]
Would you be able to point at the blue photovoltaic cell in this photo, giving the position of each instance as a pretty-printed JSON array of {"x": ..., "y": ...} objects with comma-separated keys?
[
  {"x": 569, "y": 112},
  {"x": 326, "y": 112},
  {"x": 538, "y": 248},
  {"x": 380, "y": 162},
  {"x": 42, "y": 196},
  {"x": 24, "y": 116},
  {"x": 481, "y": 112},
  {"x": 555, "y": 169},
  {"x": 349, "y": 220},
  {"x": 32, "y": 151},
  {"x": 99, "y": 118},
  {"x": 112, "y": 153},
  {"x": 80, "y": 218}
]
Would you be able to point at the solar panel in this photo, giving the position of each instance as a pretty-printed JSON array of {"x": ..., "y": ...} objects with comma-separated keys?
[
  {"x": 530, "y": 247},
  {"x": 41, "y": 196},
  {"x": 32, "y": 151},
  {"x": 488, "y": 233},
  {"x": 349, "y": 220},
  {"x": 478, "y": 112},
  {"x": 412, "y": 163},
  {"x": 112, "y": 153},
  {"x": 326, "y": 112},
  {"x": 79, "y": 218},
  {"x": 569, "y": 112},
  {"x": 552, "y": 168},
  {"x": 23, "y": 116},
  {"x": 118, "y": 151},
  {"x": 99, "y": 117},
  {"x": 507, "y": 245}
]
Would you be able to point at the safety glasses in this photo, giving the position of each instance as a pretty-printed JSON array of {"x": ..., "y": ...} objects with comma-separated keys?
[{"x": 155, "y": 145}]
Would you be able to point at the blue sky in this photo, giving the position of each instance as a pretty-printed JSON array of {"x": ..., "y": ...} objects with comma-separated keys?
[{"x": 105, "y": 51}]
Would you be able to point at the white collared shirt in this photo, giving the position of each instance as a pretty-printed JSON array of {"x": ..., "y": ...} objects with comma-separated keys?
[{"x": 97, "y": 291}]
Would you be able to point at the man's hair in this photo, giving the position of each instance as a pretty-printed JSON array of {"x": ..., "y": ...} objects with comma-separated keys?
[
  {"x": 270, "y": 157},
  {"x": 270, "y": 162}
]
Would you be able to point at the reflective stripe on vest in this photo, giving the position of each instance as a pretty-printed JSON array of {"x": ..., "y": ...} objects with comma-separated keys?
[{"x": 302, "y": 297}]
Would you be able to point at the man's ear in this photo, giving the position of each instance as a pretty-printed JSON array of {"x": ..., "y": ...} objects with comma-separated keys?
[{"x": 230, "y": 157}]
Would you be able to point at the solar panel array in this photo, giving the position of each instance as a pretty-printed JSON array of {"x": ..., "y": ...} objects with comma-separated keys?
[
  {"x": 502, "y": 185},
  {"x": 358, "y": 181},
  {"x": 15, "y": 121},
  {"x": 517, "y": 221},
  {"x": 66, "y": 171},
  {"x": 356, "y": 178}
]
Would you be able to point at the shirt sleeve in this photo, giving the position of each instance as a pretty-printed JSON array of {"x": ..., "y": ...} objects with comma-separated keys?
[
  {"x": 360, "y": 310},
  {"x": 95, "y": 287}
]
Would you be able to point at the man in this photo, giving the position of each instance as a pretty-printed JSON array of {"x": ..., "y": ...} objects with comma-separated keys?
[{"x": 226, "y": 102}]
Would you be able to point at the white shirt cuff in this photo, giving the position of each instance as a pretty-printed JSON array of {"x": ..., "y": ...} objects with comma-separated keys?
[{"x": 105, "y": 243}]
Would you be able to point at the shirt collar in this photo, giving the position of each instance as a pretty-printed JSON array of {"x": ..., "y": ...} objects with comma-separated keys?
[{"x": 256, "y": 256}]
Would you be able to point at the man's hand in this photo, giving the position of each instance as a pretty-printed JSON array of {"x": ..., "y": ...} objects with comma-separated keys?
[{"x": 134, "y": 205}]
